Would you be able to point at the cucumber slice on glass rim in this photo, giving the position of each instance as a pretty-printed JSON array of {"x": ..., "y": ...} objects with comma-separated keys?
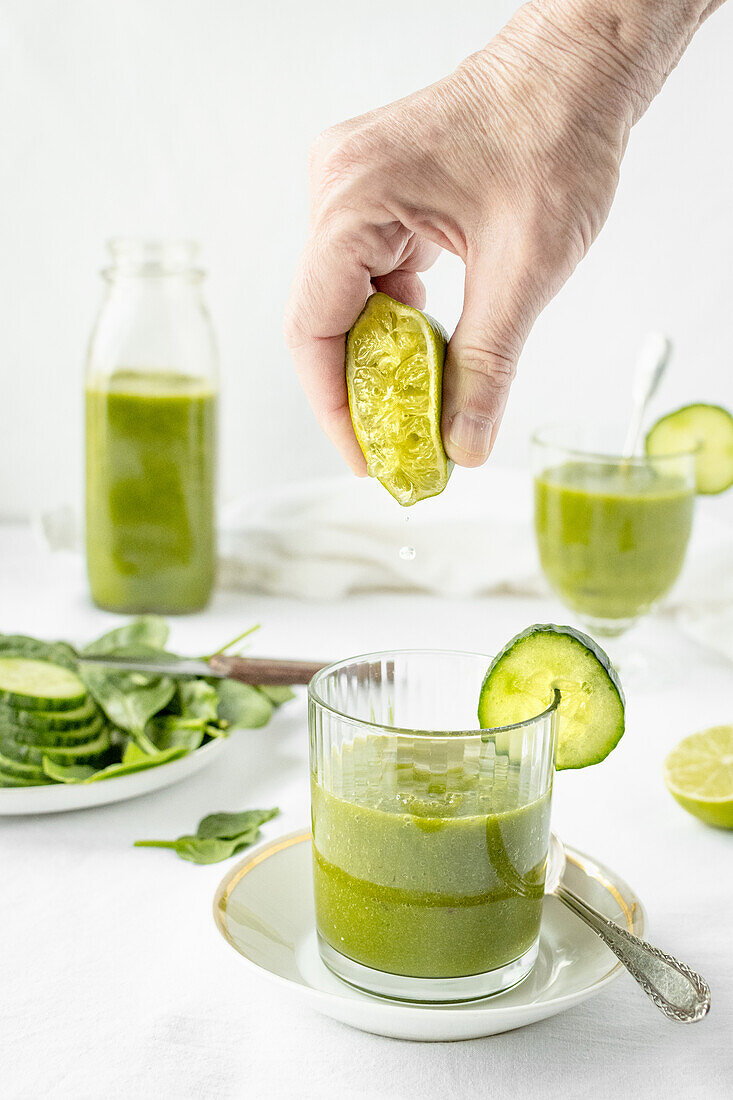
[
  {"x": 708, "y": 431},
  {"x": 544, "y": 658}
]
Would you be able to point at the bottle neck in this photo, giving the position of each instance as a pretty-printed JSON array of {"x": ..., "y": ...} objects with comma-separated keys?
[
  {"x": 153, "y": 316},
  {"x": 152, "y": 260}
]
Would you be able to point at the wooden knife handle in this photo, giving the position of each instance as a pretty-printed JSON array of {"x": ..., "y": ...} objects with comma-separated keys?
[{"x": 268, "y": 671}]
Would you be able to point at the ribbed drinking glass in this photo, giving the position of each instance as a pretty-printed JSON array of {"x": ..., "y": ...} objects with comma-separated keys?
[{"x": 430, "y": 835}]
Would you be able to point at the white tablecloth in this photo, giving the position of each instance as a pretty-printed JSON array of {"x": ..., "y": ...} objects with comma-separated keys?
[{"x": 115, "y": 983}]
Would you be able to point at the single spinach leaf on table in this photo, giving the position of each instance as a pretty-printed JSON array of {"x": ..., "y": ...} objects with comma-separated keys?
[
  {"x": 217, "y": 837},
  {"x": 224, "y": 826},
  {"x": 242, "y": 706},
  {"x": 199, "y": 851},
  {"x": 150, "y": 631}
]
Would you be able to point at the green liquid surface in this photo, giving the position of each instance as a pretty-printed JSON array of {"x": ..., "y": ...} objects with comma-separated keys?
[
  {"x": 416, "y": 873},
  {"x": 151, "y": 439},
  {"x": 612, "y": 539}
]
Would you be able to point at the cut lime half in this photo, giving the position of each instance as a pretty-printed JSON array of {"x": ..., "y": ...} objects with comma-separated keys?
[
  {"x": 708, "y": 431},
  {"x": 394, "y": 379},
  {"x": 522, "y": 680},
  {"x": 699, "y": 775}
]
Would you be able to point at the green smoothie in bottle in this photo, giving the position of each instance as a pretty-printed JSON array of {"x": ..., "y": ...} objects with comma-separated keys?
[
  {"x": 150, "y": 491},
  {"x": 151, "y": 396}
]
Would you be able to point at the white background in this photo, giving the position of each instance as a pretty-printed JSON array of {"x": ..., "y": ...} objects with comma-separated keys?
[{"x": 194, "y": 117}]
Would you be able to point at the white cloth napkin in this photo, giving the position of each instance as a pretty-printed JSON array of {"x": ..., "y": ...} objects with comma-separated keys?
[
  {"x": 328, "y": 538},
  {"x": 324, "y": 539}
]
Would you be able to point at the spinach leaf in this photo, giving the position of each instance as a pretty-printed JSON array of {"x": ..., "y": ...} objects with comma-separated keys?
[
  {"x": 234, "y": 641},
  {"x": 149, "y": 630},
  {"x": 213, "y": 729},
  {"x": 217, "y": 837},
  {"x": 194, "y": 850},
  {"x": 167, "y": 731},
  {"x": 225, "y": 826},
  {"x": 197, "y": 699},
  {"x": 277, "y": 694},
  {"x": 129, "y": 699},
  {"x": 134, "y": 759},
  {"x": 242, "y": 706},
  {"x": 67, "y": 773},
  {"x": 189, "y": 717}
]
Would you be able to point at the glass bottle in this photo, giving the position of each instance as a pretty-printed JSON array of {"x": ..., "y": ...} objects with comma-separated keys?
[{"x": 151, "y": 396}]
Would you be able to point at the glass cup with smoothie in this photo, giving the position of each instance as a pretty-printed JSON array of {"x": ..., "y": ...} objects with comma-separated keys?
[
  {"x": 151, "y": 396},
  {"x": 430, "y": 836},
  {"x": 612, "y": 532}
]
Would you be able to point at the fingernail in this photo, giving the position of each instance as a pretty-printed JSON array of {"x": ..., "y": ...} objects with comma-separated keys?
[{"x": 471, "y": 434}]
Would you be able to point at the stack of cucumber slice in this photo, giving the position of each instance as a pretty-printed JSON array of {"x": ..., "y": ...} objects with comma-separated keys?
[{"x": 46, "y": 713}]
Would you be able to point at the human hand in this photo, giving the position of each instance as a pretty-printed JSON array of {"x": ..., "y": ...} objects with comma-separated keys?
[{"x": 511, "y": 163}]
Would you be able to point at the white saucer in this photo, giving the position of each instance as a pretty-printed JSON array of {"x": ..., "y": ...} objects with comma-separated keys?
[
  {"x": 264, "y": 909},
  {"x": 52, "y": 798}
]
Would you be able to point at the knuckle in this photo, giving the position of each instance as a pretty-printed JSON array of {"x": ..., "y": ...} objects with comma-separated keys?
[
  {"x": 486, "y": 380},
  {"x": 321, "y": 146},
  {"x": 497, "y": 369},
  {"x": 341, "y": 164}
]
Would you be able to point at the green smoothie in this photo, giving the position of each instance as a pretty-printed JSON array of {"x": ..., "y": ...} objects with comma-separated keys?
[
  {"x": 431, "y": 874},
  {"x": 150, "y": 491},
  {"x": 612, "y": 538}
]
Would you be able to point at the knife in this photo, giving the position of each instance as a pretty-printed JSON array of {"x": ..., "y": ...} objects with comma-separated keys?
[{"x": 262, "y": 671}]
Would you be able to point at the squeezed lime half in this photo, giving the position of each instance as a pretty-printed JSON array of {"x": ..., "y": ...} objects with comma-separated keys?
[{"x": 394, "y": 379}]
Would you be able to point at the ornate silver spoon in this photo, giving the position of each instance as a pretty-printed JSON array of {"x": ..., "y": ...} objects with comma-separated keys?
[{"x": 677, "y": 991}]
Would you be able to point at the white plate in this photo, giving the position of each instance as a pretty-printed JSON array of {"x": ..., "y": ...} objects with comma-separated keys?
[
  {"x": 264, "y": 909},
  {"x": 57, "y": 797}
]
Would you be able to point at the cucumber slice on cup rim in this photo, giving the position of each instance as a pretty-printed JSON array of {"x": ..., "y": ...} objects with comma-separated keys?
[
  {"x": 708, "y": 431},
  {"x": 522, "y": 680}
]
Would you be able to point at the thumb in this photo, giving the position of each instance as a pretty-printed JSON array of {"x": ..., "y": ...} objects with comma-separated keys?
[{"x": 482, "y": 359}]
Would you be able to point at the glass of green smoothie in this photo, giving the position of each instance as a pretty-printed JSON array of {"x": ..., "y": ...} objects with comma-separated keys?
[
  {"x": 612, "y": 531},
  {"x": 430, "y": 836}
]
